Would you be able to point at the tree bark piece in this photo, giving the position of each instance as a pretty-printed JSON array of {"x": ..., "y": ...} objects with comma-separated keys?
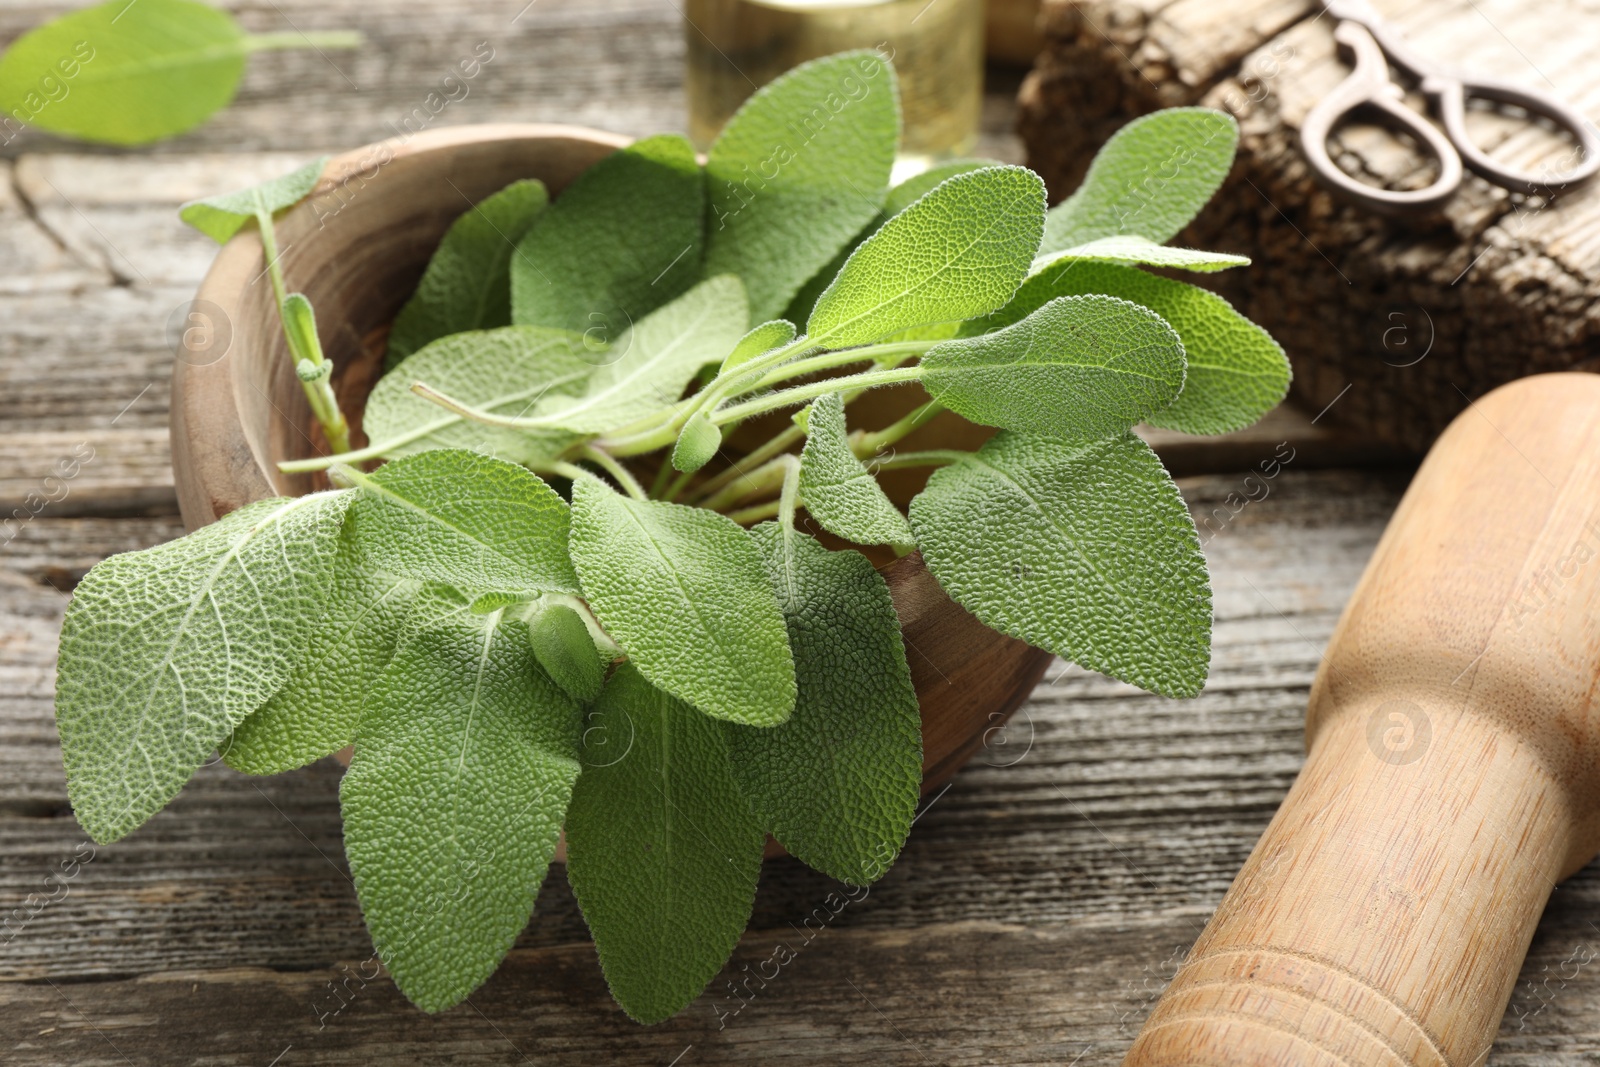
[{"x": 1398, "y": 325}]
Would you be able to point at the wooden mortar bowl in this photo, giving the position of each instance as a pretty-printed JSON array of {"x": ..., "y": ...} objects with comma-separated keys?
[{"x": 356, "y": 248}]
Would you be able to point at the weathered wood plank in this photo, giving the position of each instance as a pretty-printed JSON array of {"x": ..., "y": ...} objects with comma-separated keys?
[
  {"x": 1413, "y": 318},
  {"x": 102, "y": 472}
]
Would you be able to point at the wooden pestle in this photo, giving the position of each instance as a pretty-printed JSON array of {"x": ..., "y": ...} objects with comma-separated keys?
[{"x": 1451, "y": 778}]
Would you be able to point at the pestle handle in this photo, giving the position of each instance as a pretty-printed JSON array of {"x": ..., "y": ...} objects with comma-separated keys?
[{"x": 1452, "y": 776}]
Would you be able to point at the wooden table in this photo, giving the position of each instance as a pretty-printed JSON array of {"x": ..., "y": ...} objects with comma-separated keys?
[{"x": 1044, "y": 898}]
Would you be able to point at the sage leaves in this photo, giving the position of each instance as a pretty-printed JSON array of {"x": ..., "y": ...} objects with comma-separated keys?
[
  {"x": 1150, "y": 179},
  {"x": 1077, "y": 368},
  {"x": 838, "y": 490},
  {"x": 467, "y": 285},
  {"x": 1085, "y": 550},
  {"x": 454, "y": 800},
  {"x": 165, "y": 651},
  {"x": 131, "y": 73},
  {"x": 685, "y": 594},
  {"x": 220, "y": 217},
  {"x": 959, "y": 251},
  {"x": 662, "y": 851},
  {"x": 454, "y": 516},
  {"x": 838, "y": 783},
  {"x": 577, "y": 592},
  {"x": 798, "y": 171},
  {"x": 624, "y": 239}
]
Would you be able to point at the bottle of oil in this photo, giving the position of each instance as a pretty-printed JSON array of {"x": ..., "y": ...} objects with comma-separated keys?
[{"x": 936, "y": 47}]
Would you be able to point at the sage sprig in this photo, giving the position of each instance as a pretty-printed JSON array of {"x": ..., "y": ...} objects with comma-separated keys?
[{"x": 565, "y": 601}]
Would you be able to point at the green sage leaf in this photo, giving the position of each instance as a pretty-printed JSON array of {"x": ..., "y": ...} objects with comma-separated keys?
[
  {"x": 1084, "y": 550},
  {"x": 837, "y": 784},
  {"x": 763, "y": 338},
  {"x": 959, "y": 251},
  {"x": 1151, "y": 179},
  {"x": 1077, "y": 368},
  {"x": 1236, "y": 371},
  {"x": 220, "y": 217},
  {"x": 837, "y": 489},
  {"x": 125, "y": 73},
  {"x": 467, "y": 285},
  {"x": 1130, "y": 248},
  {"x": 683, "y": 591},
  {"x": 798, "y": 171},
  {"x": 166, "y": 650},
  {"x": 657, "y": 359},
  {"x": 567, "y": 652},
  {"x": 455, "y": 516},
  {"x": 900, "y": 197},
  {"x": 454, "y": 801},
  {"x": 697, "y": 442},
  {"x": 623, "y": 239},
  {"x": 316, "y": 712},
  {"x": 504, "y": 372},
  {"x": 662, "y": 851}
]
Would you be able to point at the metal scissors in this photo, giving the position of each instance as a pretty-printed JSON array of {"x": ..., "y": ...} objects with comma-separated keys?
[{"x": 1376, "y": 45}]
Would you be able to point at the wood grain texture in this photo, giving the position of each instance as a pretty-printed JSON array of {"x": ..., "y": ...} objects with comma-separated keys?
[
  {"x": 1452, "y": 779},
  {"x": 1414, "y": 319}
]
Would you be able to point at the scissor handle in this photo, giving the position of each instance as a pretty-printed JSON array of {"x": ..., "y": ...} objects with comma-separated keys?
[
  {"x": 1450, "y": 94},
  {"x": 1369, "y": 86}
]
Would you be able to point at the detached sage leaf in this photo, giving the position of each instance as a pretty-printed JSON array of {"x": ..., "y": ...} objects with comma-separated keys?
[
  {"x": 658, "y": 359},
  {"x": 454, "y": 800},
  {"x": 455, "y": 516},
  {"x": 838, "y": 783},
  {"x": 1086, "y": 550},
  {"x": 798, "y": 171},
  {"x": 683, "y": 591},
  {"x": 1236, "y": 371},
  {"x": 837, "y": 490},
  {"x": 220, "y": 217},
  {"x": 467, "y": 285},
  {"x": 1077, "y": 368},
  {"x": 1150, "y": 179},
  {"x": 623, "y": 239},
  {"x": 166, "y": 650},
  {"x": 317, "y": 710},
  {"x": 124, "y": 73},
  {"x": 1134, "y": 249},
  {"x": 504, "y": 372},
  {"x": 662, "y": 851},
  {"x": 959, "y": 251}
]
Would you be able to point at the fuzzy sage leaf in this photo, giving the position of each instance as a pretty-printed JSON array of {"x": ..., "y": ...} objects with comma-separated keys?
[
  {"x": 165, "y": 651},
  {"x": 454, "y": 800},
  {"x": 220, "y": 217},
  {"x": 684, "y": 593},
  {"x": 838, "y": 491},
  {"x": 1235, "y": 372},
  {"x": 317, "y": 710},
  {"x": 662, "y": 851},
  {"x": 1130, "y": 248},
  {"x": 455, "y": 516},
  {"x": 504, "y": 372},
  {"x": 959, "y": 251},
  {"x": 1151, "y": 178},
  {"x": 838, "y": 783},
  {"x": 623, "y": 239},
  {"x": 1077, "y": 368},
  {"x": 798, "y": 171},
  {"x": 1084, "y": 550},
  {"x": 467, "y": 285},
  {"x": 566, "y": 650}
]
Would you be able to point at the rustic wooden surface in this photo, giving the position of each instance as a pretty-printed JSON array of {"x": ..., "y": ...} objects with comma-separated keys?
[
  {"x": 1043, "y": 901},
  {"x": 1416, "y": 318}
]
